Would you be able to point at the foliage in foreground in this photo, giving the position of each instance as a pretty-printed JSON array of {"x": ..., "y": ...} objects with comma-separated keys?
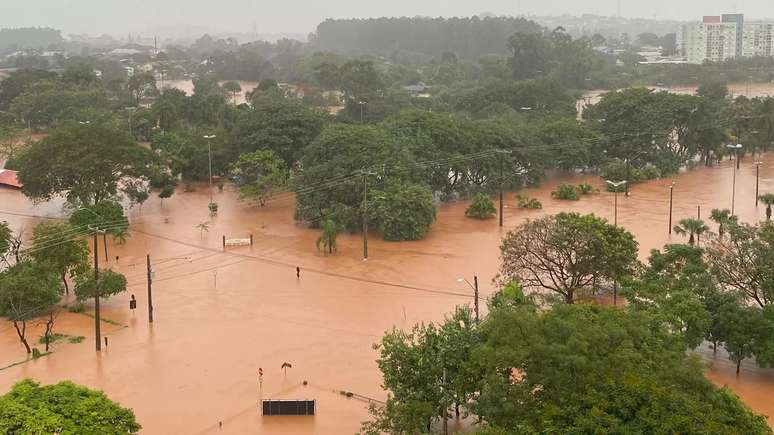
[
  {"x": 571, "y": 369},
  {"x": 64, "y": 408}
]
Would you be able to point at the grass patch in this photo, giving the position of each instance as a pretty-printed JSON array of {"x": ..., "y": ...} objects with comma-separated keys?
[
  {"x": 53, "y": 338},
  {"x": 77, "y": 308},
  {"x": 76, "y": 339},
  {"x": 104, "y": 320}
]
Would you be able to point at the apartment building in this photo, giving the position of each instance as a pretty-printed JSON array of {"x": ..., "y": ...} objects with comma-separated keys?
[{"x": 720, "y": 38}]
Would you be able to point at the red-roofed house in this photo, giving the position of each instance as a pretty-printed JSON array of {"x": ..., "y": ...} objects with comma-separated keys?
[{"x": 8, "y": 178}]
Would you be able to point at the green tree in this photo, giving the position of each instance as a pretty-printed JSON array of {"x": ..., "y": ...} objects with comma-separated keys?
[
  {"x": 233, "y": 88},
  {"x": 566, "y": 253},
  {"x": 86, "y": 163},
  {"x": 426, "y": 370},
  {"x": 694, "y": 228},
  {"x": 723, "y": 218},
  {"x": 589, "y": 368},
  {"x": 166, "y": 192},
  {"x": 28, "y": 290},
  {"x": 110, "y": 284},
  {"x": 742, "y": 261},
  {"x": 50, "y": 102},
  {"x": 141, "y": 85},
  {"x": 259, "y": 175},
  {"x": 62, "y": 408},
  {"x": 277, "y": 124},
  {"x": 403, "y": 211},
  {"x": 740, "y": 328},
  {"x": 566, "y": 192},
  {"x": 59, "y": 246},
  {"x": 327, "y": 240},
  {"x": 104, "y": 217},
  {"x": 675, "y": 287},
  {"x": 768, "y": 200},
  {"x": 482, "y": 207}
]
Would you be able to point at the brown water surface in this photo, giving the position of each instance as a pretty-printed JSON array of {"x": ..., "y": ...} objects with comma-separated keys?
[{"x": 219, "y": 316}]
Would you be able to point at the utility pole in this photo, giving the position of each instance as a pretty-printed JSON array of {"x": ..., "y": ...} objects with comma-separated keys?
[
  {"x": 365, "y": 214},
  {"x": 362, "y": 109},
  {"x": 501, "y": 152},
  {"x": 671, "y": 196},
  {"x": 445, "y": 408},
  {"x": 757, "y": 181},
  {"x": 104, "y": 244},
  {"x": 736, "y": 148},
  {"x": 209, "y": 153},
  {"x": 96, "y": 293},
  {"x": 475, "y": 290},
  {"x": 150, "y": 292},
  {"x": 698, "y": 212}
]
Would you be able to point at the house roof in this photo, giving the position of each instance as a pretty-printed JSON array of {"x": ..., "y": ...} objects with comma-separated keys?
[{"x": 9, "y": 178}]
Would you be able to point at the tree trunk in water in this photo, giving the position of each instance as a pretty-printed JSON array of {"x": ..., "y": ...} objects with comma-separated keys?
[
  {"x": 457, "y": 410},
  {"x": 64, "y": 281},
  {"x": 569, "y": 297},
  {"x": 715, "y": 347},
  {"x": 49, "y": 328},
  {"x": 22, "y": 334},
  {"x": 738, "y": 364},
  {"x": 691, "y": 240}
]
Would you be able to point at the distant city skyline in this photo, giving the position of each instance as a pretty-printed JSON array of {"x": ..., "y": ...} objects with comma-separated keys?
[{"x": 302, "y": 16}]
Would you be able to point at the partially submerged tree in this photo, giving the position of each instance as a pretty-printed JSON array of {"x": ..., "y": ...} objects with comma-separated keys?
[
  {"x": 85, "y": 163},
  {"x": 259, "y": 175},
  {"x": 28, "y": 290},
  {"x": 110, "y": 284},
  {"x": 723, "y": 218},
  {"x": 482, "y": 207},
  {"x": 60, "y": 246},
  {"x": 693, "y": 227},
  {"x": 768, "y": 200},
  {"x": 566, "y": 253},
  {"x": 327, "y": 240}
]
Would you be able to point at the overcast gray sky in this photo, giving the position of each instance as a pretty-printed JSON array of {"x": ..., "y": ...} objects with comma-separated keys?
[{"x": 301, "y": 16}]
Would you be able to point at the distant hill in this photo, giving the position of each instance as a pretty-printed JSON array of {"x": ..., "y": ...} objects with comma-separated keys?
[
  {"x": 466, "y": 37},
  {"x": 24, "y": 38}
]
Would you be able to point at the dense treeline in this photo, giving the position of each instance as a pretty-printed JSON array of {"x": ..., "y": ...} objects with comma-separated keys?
[
  {"x": 28, "y": 38},
  {"x": 394, "y": 37},
  {"x": 548, "y": 358}
]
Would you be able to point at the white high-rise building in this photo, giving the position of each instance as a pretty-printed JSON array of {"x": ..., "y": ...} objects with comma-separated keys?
[
  {"x": 719, "y": 38},
  {"x": 758, "y": 40}
]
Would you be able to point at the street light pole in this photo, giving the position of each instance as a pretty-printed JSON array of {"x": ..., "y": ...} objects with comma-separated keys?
[
  {"x": 365, "y": 214},
  {"x": 97, "y": 332},
  {"x": 671, "y": 196},
  {"x": 209, "y": 154},
  {"x": 615, "y": 186},
  {"x": 501, "y": 152},
  {"x": 757, "y": 181},
  {"x": 473, "y": 286},
  {"x": 736, "y": 148},
  {"x": 150, "y": 292},
  {"x": 362, "y": 108}
]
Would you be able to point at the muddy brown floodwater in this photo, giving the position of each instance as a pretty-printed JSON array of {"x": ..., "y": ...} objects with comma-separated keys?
[{"x": 219, "y": 316}]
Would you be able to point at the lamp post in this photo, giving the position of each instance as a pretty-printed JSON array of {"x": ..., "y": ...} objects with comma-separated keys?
[
  {"x": 209, "y": 154},
  {"x": 473, "y": 286},
  {"x": 736, "y": 149},
  {"x": 615, "y": 185},
  {"x": 362, "y": 108},
  {"x": 671, "y": 197},
  {"x": 757, "y": 181}
]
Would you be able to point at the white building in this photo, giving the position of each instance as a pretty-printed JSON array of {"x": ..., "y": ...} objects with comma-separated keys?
[
  {"x": 720, "y": 38},
  {"x": 758, "y": 40}
]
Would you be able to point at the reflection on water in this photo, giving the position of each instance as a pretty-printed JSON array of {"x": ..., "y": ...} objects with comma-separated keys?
[{"x": 219, "y": 316}]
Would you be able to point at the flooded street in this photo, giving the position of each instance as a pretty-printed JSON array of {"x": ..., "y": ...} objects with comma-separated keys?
[
  {"x": 188, "y": 87},
  {"x": 220, "y": 315}
]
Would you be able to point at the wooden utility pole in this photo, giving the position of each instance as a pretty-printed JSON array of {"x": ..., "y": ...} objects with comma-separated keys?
[
  {"x": 150, "y": 292},
  {"x": 671, "y": 197},
  {"x": 96, "y": 293},
  {"x": 475, "y": 290},
  {"x": 365, "y": 214}
]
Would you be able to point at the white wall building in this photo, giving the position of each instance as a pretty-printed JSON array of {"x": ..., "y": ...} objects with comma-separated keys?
[{"x": 719, "y": 38}]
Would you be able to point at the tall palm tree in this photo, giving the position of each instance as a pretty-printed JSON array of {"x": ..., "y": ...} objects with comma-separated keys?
[
  {"x": 327, "y": 240},
  {"x": 693, "y": 227},
  {"x": 767, "y": 199},
  {"x": 723, "y": 218}
]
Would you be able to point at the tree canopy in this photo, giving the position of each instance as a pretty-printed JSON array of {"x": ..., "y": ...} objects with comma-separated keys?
[{"x": 62, "y": 408}]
